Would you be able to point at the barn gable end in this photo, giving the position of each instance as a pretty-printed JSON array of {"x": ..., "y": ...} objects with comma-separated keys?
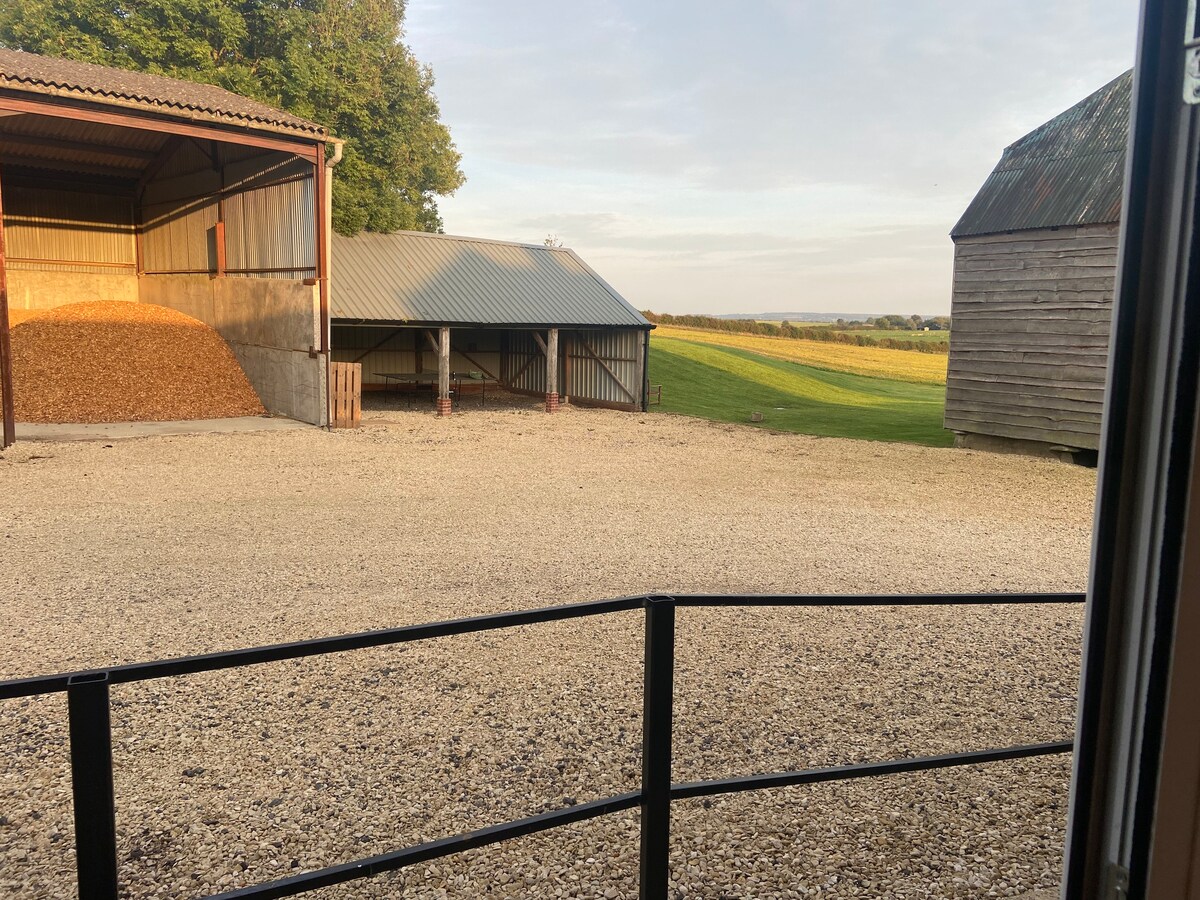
[{"x": 1034, "y": 269}]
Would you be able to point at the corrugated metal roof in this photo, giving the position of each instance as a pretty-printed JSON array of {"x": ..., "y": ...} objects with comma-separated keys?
[
  {"x": 412, "y": 276},
  {"x": 37, "y": 74},
  {"x": 1067, "y": 172}
]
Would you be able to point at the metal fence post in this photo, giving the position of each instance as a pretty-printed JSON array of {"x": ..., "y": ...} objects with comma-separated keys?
[
  {"x": 92, "y": 787},
  {"x": 657, "y": 710}
]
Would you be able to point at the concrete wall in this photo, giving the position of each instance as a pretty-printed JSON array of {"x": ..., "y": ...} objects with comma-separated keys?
[
  {"x": 45, "y": 290},
  {"x": 271, "y": 325}
]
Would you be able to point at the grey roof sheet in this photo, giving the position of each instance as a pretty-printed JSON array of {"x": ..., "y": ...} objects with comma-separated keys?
[
  {"x": 33, "y": 73},
  {"x": 1069, "y": 171},
  {"x": 412, "y": 276}
]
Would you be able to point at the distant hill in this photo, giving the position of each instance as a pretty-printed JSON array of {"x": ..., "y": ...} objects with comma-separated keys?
[{"x": 800, "y": 316}]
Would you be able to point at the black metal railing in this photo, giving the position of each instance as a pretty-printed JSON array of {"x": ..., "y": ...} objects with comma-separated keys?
[{"x": 90, "y": 732}]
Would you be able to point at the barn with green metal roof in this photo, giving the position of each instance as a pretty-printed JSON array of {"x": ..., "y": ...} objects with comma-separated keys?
[{"x": 1034, "y": 269}]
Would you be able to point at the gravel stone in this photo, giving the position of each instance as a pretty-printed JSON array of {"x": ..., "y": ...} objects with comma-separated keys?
[{"x": 178, "y": 545}]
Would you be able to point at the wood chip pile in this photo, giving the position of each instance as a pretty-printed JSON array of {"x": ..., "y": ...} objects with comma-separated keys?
[{"x": 124, "y": 362}]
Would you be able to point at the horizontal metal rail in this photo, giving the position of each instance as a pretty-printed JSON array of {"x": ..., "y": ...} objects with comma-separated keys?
[
  {"x": 91, "y": 738},
  {"x": 419, "y": 853},
  {"x": 229, "y": 659},
  {"x": 864, "y": 770}
]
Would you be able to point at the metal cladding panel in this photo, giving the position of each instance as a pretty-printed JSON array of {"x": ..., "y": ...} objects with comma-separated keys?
[
  {"x": 1067, "y": 172},
  {"x": 593, "y": 379},
  {"x": 522, "y": 350},
  {"x": 269, "y": 217},
  {"x": 265, "y": 200},
  {"x": 418, "y": 277},
  {"x": 68, "y": 231},
  {"x": 178, "y": 214},
  {"x": 45, "y": 142}
]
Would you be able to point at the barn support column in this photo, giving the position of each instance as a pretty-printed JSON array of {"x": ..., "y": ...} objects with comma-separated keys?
[
  {"x": 552, "y": 370},
  {"x": 8, "y": 434},
  {"x": 443, "y": 402},
  {"x": 567, "y": 380}
]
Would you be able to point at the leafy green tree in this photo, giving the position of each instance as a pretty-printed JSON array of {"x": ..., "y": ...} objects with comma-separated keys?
[{"x": 341, "y": 63}]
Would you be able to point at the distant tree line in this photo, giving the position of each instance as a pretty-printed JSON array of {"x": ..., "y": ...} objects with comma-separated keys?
[{"x": 841, "y": 332}]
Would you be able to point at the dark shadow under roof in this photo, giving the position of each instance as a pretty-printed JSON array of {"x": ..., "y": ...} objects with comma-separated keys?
[
  {"x": 1066, "y": 172},
  {"x": 49, "y": 76},
  {"x": 415, "y": 277}
]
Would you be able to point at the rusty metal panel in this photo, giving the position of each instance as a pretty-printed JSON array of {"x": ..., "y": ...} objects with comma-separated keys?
[
  {"x": 68, "y": 231},
  {"x": 1069, "y": 171}
]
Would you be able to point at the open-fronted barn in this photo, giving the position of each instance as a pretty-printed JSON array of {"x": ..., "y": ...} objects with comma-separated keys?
[
  {"x": 1034, "y": 267},
  {"x": 122, "y": 186},
  {"x": 459, "y": 312}
]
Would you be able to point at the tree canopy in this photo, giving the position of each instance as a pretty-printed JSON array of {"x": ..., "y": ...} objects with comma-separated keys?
[{"x": 340, "y": 63}]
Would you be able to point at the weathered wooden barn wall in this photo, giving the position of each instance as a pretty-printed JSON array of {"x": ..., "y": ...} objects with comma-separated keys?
[{"x": 1029, "y": 343}]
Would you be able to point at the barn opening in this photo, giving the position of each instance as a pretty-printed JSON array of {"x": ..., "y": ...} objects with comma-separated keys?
[
  {"x": 450, "y": 315},
  {"x": 133, "y": 188}
]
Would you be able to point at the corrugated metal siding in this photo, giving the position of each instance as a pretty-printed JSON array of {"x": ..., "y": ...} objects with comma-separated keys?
[
  {"x": 1029, "y": 346},
  {"x": 65, "y": 231},
  {"x": 1069, "y": 171},
  {"x": 521, "y": 349},
  {"x": 194, "y": 101},
  {"x": 269, "y": 221},
  {"x": 416, "y": 277},
  {"x": 45, "y": 142},
  {"x": 619, "y": 352},
  {"x": 266, "y": 201}
]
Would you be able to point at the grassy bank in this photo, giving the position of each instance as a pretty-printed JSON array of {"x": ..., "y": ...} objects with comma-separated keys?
[{"x": 702, "y": 377}]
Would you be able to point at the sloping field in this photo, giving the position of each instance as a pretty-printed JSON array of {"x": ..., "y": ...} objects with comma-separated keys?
[
  {"x": 727, "y": 384},
  {"x": 875, "y": 362}
]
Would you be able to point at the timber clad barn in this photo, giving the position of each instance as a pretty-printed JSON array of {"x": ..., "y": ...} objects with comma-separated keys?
[
  {"x": 1034, "y": 268},
  {"x": 117, "y": 185},
  {"x": 535, "y": 319}
]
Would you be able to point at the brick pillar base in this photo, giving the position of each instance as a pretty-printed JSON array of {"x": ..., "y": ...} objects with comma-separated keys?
[
  {"x": 552, "y": 403},
  {"x": 443, "y": 406}
]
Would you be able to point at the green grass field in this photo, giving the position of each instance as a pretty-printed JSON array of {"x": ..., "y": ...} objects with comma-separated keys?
[{"x": 727, "y": 384}]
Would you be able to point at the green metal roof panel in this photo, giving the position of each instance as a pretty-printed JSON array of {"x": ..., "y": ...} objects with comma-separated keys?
[
  {"x": 412, "y": 276},
  {"x": 1069, "y": 171}
]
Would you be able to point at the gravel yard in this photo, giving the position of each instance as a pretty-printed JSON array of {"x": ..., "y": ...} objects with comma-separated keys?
[{"x": 166, "y": 546}]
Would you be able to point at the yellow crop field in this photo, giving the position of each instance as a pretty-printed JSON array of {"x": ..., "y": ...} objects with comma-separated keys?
[{"x": 874, "y": 362}]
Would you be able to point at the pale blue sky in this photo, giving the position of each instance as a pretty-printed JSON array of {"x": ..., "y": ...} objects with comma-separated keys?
[{"x": 762, "y": 155}]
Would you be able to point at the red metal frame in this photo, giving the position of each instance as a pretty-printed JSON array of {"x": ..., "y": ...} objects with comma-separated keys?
[
  {"x": 8, "y": 433},
  {"x": 312, "y": 150}
]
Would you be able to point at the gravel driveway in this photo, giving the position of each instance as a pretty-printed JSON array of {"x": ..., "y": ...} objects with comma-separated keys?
[{"x": 166, "y": 546}]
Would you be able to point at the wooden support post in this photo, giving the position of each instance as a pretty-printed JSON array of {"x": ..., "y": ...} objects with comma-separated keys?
[
  {"x": 443, "y": 402},
  {"x": 8, "y": 434},
  {"x": 566, "y": 385},
  {"x": 552, "y": 370},
  {"x": 418, "y": 357}
]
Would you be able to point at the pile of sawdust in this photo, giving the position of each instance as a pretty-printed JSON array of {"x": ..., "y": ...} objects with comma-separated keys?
[{"x": 124, "y": 362}]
